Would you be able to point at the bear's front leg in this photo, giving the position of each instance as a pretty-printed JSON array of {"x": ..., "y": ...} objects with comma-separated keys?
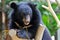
[{"x": 12, "y": 34}]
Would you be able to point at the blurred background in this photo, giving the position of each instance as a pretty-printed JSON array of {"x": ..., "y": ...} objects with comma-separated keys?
[{"x": 47, "y": 17}]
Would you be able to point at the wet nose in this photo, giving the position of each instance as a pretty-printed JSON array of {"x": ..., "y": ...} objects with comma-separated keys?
[{"x": 27, "y": 18}]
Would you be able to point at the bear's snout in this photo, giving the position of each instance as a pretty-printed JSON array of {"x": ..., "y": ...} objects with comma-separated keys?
[{"x": 26, "y": 20}]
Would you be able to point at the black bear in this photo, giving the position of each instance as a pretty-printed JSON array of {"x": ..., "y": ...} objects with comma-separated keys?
[{"x": 25, "y": 14}]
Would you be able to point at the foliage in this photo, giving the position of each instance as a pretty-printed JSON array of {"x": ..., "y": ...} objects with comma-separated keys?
[
  {"x": 7, "y": 1},
  {"x": 47, "y": 17}
]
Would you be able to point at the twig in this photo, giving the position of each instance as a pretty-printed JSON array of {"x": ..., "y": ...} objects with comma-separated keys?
[
  {"x": 3, "y": 21},
  {"x": 49, "y": 8}
]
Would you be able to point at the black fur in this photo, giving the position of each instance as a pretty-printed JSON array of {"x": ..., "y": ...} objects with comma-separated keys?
[{"x": 22, "y": 9}]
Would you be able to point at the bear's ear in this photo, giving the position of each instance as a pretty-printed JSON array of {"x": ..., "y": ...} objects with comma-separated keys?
[
  {"x": 13, "y": 5},
  {"x": 32, "y": 5}
]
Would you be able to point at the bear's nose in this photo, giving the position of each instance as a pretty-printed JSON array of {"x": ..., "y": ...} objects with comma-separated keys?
[{"x": 26, "y": 21}]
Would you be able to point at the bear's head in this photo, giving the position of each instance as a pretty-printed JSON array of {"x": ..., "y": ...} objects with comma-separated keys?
[{"x": 22, "y": 12}]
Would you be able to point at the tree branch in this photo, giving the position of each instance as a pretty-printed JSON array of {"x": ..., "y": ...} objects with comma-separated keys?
[
  {"x": 49, "y": 8},
  {"x": 40, "y": 32}
]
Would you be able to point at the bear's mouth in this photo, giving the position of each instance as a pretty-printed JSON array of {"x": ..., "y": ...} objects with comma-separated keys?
[
  {"x": 26, "y": 20},
  {"x": 26, "y": 23}
]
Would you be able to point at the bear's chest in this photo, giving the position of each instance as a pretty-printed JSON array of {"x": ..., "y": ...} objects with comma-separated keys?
[{"x": 27, "y": 33}]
